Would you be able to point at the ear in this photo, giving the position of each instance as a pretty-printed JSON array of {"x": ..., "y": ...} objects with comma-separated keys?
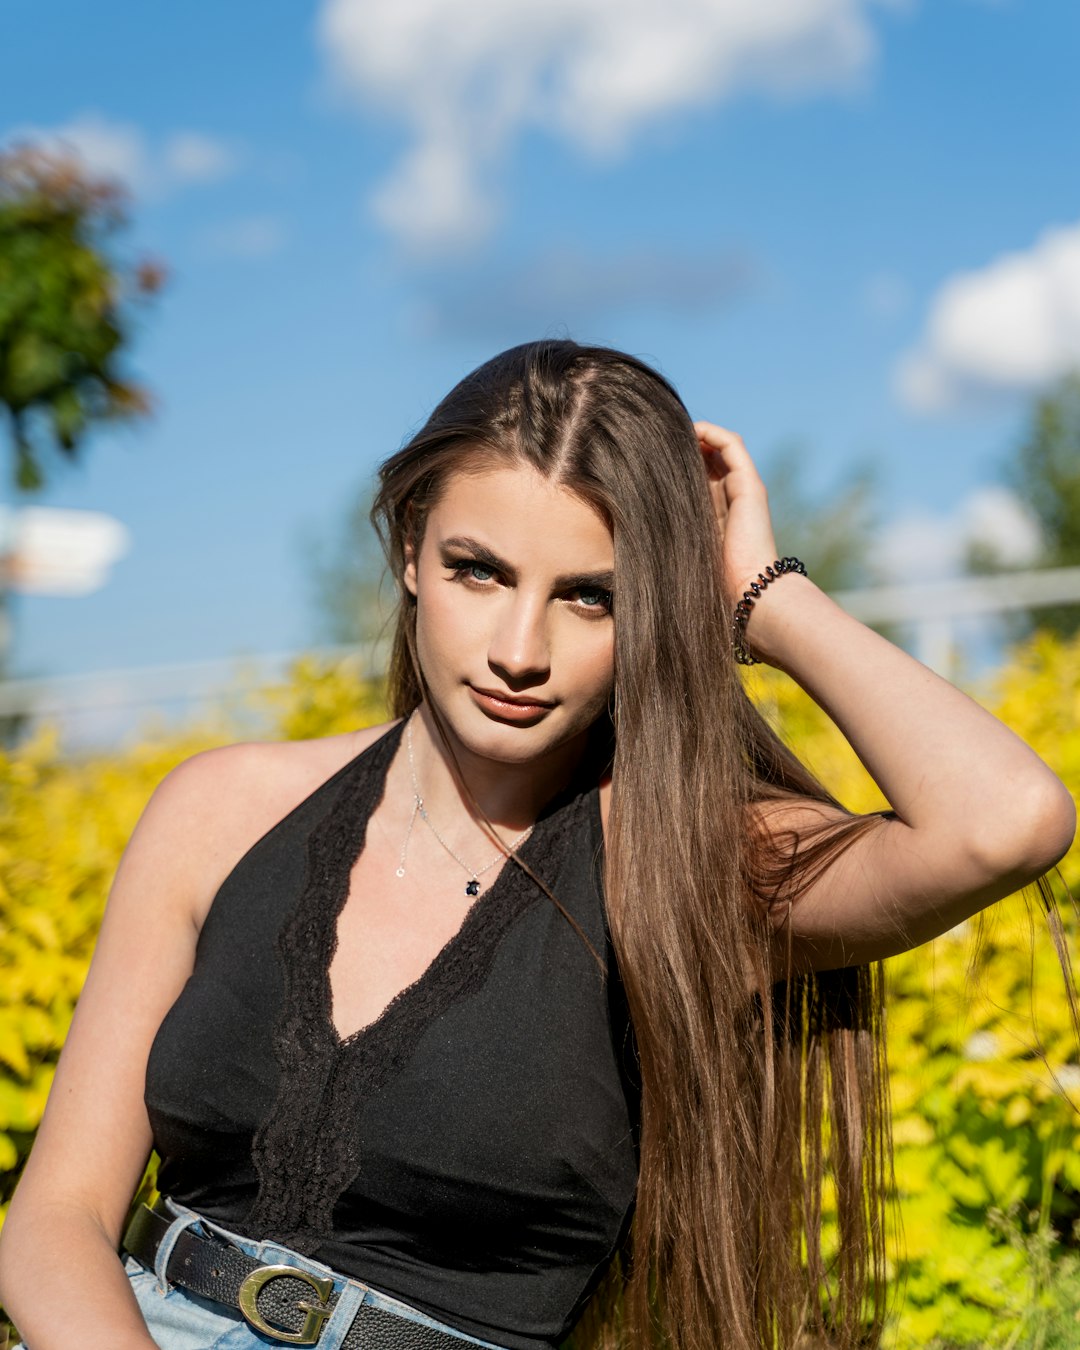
[{"x": 408, "y": 576}]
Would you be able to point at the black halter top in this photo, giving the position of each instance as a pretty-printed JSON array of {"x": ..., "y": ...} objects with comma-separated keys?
[{"x": 473, "y": 1151}]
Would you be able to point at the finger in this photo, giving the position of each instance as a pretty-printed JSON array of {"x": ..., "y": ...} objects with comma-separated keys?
[
  {"x": 714, "y": 441},
  {"x": 721, "y": 446},
  {"x": 721, "y": 440},
  {"x": 713, "y": 431},
  {"x": 715, "y": 437}
]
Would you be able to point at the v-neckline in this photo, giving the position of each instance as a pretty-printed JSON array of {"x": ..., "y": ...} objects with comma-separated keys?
[
  {"x": 416, "y": 988},
  {"x": 324, "y": 1080}
]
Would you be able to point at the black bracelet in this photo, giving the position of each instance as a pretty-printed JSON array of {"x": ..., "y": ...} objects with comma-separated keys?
[{"x": 742, "y": 609}]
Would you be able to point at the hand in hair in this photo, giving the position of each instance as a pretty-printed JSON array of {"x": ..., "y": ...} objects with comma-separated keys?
[{"x": 742, "y": 506}]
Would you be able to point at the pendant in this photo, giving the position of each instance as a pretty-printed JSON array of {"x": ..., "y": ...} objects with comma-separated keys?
[{"x": 472, "y": 887}]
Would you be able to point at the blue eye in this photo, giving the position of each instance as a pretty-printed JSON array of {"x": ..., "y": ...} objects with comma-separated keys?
[
  {"x": 465, "y": 568},
  {"x": 595, "y": 599}
]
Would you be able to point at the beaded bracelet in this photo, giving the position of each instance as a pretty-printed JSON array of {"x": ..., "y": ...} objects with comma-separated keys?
[{"x": 742, "y": 609}]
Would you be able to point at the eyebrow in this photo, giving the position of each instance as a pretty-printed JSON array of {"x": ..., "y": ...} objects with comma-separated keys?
[{"x": 567, "y": 581}]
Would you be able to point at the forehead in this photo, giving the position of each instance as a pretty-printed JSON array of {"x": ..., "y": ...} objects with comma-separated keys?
[{"x": 522, "y": 516}]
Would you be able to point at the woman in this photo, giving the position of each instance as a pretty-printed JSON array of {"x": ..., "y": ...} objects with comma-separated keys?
[{"x": 382, "y": 1006}]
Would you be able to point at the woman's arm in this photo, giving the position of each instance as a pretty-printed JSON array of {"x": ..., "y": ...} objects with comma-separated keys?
[
  {"x": 61, "y": 1280},
  {"x": 978, "y": 812}
]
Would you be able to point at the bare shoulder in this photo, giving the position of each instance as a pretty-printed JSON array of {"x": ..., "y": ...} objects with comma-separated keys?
[
  {"x": 211, "y": 808},
  {"x": 273, "y": 770}
]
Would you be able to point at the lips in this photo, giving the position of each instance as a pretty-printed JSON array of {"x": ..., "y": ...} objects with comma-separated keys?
[
  {"x": 515, "y": 699},
  {"x": 510, "y": 708}
]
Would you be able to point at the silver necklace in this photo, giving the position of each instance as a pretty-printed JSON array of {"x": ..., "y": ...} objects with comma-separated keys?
[{"x": 472, "y": 886}]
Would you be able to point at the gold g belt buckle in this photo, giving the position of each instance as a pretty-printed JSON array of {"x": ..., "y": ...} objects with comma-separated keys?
[{"x": 316, "y": 1316}]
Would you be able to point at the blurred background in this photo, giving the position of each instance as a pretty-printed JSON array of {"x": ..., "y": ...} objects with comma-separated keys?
[
  {"x": 849, "y": 229},
  {"x": 246, "y": 247}
]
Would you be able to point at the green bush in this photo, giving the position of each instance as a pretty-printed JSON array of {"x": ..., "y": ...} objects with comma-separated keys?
[
  {"x": 64, "y": 822},
  {"x": 984, "y": 1064},
  {"x": 983, "y": 1056}
]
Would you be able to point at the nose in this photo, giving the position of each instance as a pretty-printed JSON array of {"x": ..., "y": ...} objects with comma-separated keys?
[{"x": 519, "y": 651}]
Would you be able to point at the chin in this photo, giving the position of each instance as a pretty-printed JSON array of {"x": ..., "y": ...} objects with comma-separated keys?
[{"x": 511, "y": 743}]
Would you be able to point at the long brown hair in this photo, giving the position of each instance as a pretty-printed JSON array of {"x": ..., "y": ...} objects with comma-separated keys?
[{"x": 755, "y": 1086}]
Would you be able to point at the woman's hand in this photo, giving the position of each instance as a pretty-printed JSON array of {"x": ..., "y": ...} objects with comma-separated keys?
[{"x": 741, "y": 504}]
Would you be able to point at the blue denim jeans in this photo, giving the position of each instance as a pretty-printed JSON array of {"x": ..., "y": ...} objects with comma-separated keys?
[{"x": 179, "y": 1320}]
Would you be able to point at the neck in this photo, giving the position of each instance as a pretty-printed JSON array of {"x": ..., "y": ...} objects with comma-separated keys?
[{"x": 511, "y": 795}]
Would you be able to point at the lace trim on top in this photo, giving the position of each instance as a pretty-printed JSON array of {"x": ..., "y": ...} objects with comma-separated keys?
[{"x": 306, "y": 1151}]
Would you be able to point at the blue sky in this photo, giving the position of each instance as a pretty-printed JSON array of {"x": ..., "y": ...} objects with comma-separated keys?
[{"x": 855, "y": 225}]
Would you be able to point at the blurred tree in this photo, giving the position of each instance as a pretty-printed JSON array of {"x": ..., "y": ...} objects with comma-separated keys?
[
  {"x": 63, "y": 323},
  {"x": 1044, "y": 472},
  {"x": 352, "y": 594},
  {"x": 831, "y": 531}
]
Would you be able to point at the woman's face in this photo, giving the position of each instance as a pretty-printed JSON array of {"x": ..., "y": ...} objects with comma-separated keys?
[{"x": 514, "y": 629}]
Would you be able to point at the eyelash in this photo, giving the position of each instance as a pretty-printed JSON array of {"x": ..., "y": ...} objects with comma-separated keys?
[{"x": 461, "y": 567}]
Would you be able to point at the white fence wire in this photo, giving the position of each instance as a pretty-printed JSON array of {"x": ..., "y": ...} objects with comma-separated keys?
[{"x": 933, "y": 620}]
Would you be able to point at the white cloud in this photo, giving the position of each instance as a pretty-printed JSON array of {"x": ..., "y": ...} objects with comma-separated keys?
[
  {"x": 246, "y": 237},
  {"x": 123, "y": 151},
  {"x": 466, "y": 77},
  {"x": 192, "y": 157},
  {"x": 434, "y": 198},
  {"x": 918, "y": 547},
  {"x": 61, "y": 552},
  {"x": 113, "y": 149},
  {"x": 925, "y": 547},
  {"x": 996, "y": 519},
  {"x": 1010, "y": 326}
]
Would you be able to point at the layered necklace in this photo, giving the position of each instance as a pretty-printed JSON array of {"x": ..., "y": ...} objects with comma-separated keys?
[{"x": 472, "y": 886}]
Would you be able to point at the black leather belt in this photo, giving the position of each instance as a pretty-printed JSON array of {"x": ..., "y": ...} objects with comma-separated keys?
[{"x": 284, "y": 1302}]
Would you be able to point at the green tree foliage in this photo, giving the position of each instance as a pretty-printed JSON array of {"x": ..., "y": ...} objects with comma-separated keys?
[
  {"x": 347, "y": 569},
  {"x": 64, "y": 322},
  {"x": 1046, "y": 476},
  {"x": 1044, "y": 472},
  {"x": 830, "y": 530}
]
